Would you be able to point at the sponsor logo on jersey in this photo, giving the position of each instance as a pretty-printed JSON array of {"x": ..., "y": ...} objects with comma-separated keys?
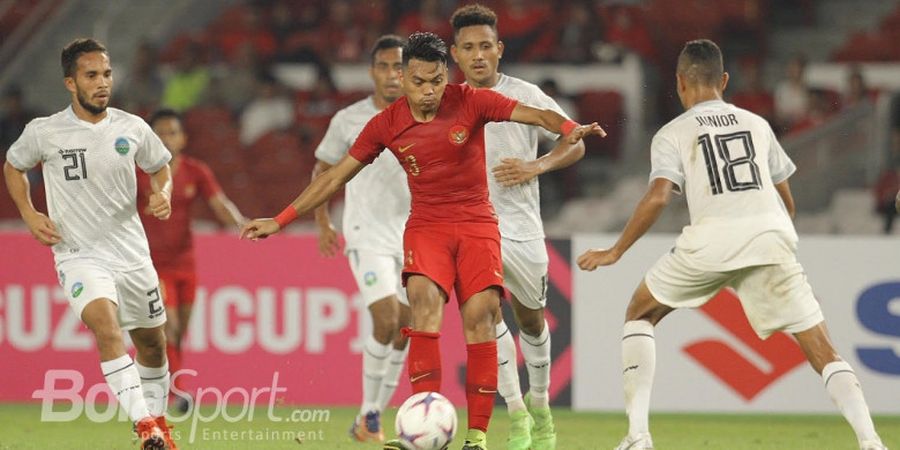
[
  {"x": 370, "y": 278},
  {"x": 122, "y": 146},
  {"x": 458, "y": 134},
  {"x": 190, "y": 190},
  {"x": 404, "y": 148},
  {"x": 62, "y": 278},
  {"x": 77, "y": 289}
]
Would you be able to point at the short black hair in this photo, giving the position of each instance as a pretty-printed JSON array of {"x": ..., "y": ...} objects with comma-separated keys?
[
  {"x": 385, "y": 42},
  {"x": 425, "y": 46},
  {"x": 471, "y": 15},
  {"x": 165, "y": 113},
  {"x": 74, "y": 50},
  {"x": 701, "y": 62}
]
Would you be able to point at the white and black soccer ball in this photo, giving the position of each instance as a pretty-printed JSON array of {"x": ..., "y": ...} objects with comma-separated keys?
[{"x": 426, "y": 421}]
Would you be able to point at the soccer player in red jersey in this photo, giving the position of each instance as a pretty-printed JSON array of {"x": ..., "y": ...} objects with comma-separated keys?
[
  {"x": 451, "y": 239},
  {"x": 172, "y": 243}
]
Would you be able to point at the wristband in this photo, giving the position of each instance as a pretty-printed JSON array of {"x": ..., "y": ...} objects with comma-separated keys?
[
  {"x": 285, "y": 217},
  {"x": 568, "y": 126}
]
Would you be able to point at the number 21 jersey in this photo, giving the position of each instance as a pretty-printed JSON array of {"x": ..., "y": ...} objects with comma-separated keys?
[
  {"x": 726, "y": 161},
  {"x": 90, "y": 180}
]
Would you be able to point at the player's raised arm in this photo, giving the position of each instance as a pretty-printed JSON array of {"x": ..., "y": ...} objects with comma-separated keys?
[
  {"x": 644, "y": 216},
  {"x": 320, "y": 190},
  {"x": 514, "y": 171},
  {"x": 161, "y": 198},
  {"x": 39, "y": 224},
  {"x": 555, "y": 122}
]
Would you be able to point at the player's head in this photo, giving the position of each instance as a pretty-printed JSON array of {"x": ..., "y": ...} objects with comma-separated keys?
[
  {"x": 700, "y": 69},
  {"x": 88, "y": 75},
  {"x": 387, "y": 63},
  {"x": 424, "y": 71},
  {"x": 477, "y": 48},
  {"x": 166, "y": 123}
]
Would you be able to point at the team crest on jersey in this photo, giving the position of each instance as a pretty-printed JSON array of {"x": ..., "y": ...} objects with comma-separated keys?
[
  {"x": 77, "y": 289},
  {"x": 370, "y": 278},
  {"x": 122, "y": 146},
  {"x": 459, "y": 134}
]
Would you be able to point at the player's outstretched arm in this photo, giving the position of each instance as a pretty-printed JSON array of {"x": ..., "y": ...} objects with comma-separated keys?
[
  {"x": 644, "y": 216},
  {"x": 160, "y": 200},
  {"x": 226, "y": 211},
  {"x": 38, "y": 223},
  {"x": 514, "y": 171},
  {"x": 554, "y": 122},
  {"x": 784, "y": 191},
  {"x": 329, "y": 245},
  {"x": 321, "y": 189}
]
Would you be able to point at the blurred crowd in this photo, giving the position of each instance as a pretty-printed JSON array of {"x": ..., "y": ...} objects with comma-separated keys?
[{"x": 221, "y": 76}]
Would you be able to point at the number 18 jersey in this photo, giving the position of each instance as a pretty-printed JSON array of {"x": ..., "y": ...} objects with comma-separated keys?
[
  {"x": 726, "y": 161},
  {"x": 91, "y": 185}
]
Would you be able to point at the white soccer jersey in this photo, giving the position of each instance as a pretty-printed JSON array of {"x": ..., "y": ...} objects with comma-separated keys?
[
  {"x": 89, "y": 177},
  {"x": 518, "y": 207},
  {"x": 377, "y": 200},
  {"x": 727, "y": 162}
]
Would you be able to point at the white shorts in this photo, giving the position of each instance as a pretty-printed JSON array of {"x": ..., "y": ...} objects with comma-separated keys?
[
  {"x": 377, "y": 275},
  {"x": 525, "y": 271},
  {"x": 774, "y": 297},
  {"x": 135, "y": 292}
]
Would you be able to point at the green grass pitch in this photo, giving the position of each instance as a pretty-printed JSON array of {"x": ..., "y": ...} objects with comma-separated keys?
[{"x": 22, "y": 429}]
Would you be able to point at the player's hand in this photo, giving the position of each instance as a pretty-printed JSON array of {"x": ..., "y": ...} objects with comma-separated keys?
[
  {"x": 42, "y": 228},
  {"x": 160, "y": 205},
  {"x": 329, "y": 245},
  {"x": 513, "y": 171},
  {"x": 594, "y": 258},
  {"x": 259, "y": 229},
  {"x": 581, "y": 131}
]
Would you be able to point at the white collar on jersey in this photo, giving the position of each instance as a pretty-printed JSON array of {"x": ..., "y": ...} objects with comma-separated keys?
[{"x": 70, "y": 113}]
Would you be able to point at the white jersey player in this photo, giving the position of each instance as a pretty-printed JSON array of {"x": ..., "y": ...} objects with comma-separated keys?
[
  {"x": 511, "y": 159},
  {"x": 734, "y": 174},
  {"x": 377, "y": 203},
  {"x": 89, "y": 154}
]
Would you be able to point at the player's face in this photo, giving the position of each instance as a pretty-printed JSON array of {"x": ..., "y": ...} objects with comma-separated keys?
[
  {"x": 478, "y": 53},
  {"x": 385, "y": 71},
  {"x": 92, "y": 82},
  {"x": 424, "y": 83},
  {"x": 171, "y": 134}
]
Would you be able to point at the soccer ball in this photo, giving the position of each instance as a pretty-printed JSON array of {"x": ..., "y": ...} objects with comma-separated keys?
[{"x": 426, "y": 421}]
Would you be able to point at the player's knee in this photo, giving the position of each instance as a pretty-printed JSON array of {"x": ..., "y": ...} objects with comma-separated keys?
[
  {"x": 532, "y": 325},
  {"x": 108, "y": 337}
]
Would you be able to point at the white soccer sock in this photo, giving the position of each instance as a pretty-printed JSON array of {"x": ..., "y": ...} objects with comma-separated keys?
[
  {"x": 391, "y": 376},
  {"x": 536, "y": 350},
  {"x": 155, "y": 387},
  {"x": 507, "y": 369},
  {"x": 125, "y": 382},
  {"x": 638, "y": 367},
  {"x": 843, "y": 387},
  {"x": 375, "y": 356}
]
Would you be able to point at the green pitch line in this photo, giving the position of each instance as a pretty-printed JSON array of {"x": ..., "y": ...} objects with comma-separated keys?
[{"x": 326, "y": 428}]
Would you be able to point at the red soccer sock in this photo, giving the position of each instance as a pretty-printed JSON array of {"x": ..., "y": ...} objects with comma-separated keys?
[
  {"x": 424, "y": 361},
  {"x": 174, "y": 357},
  {"x": 481, "y": 383}
]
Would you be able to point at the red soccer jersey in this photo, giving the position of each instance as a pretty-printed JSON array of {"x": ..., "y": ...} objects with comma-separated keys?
[
  {"x": 171, "y": 241},
  {"x": 443, "y": 158}
]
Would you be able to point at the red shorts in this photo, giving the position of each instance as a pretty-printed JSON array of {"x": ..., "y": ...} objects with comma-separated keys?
[
  {"x": 464, "y": 256},
  {"x": 179, "y": 287}
]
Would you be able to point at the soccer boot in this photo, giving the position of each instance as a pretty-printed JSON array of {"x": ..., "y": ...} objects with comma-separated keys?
[
  {"x": 368, "y": 428},
  {"x": 394, "y": 444},
  {"x": 151, "y": 437},
  {"x": 543, "y": 433},
  {"x": 519, "y": 431},
  {"x": 637, "y": 442},
  {"x": 475, "y": 440},
  {"x": 872, "y": 445},
  {"x": 165, "y": 427}
]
